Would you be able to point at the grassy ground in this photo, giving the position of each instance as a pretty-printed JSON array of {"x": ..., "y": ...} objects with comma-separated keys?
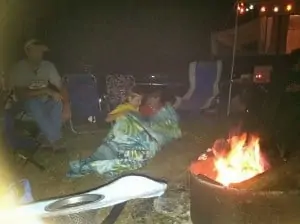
[{"x": 170, "y": 164}]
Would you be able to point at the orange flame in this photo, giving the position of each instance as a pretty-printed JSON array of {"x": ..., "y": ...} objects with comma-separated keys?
[{"x": 242, "y": 162}]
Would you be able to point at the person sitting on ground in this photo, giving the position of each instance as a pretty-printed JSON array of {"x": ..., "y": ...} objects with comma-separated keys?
[
  {"x": 152, "y": 104},
  {"x": 132, "y": 103},
  {"x": 39, "y": 88},
  {"x": 132, "y": 141},
  {"x": 154, "y": 110}
]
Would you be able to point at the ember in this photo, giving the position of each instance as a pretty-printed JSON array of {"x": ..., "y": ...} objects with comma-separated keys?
[{"x": 232, "y": 161}]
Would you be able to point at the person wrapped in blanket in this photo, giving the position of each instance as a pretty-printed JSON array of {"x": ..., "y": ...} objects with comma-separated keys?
[{"x": 134, "y": 138}]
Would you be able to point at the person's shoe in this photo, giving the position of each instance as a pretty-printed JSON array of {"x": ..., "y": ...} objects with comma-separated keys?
[
  {"x": 43, "y": 142},
  {"x": 59, "y": 145}
]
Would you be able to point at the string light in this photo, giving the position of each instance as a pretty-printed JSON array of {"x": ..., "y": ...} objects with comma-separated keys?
[
  {"x": 289, "y": 7},
  {"x": 243, "y": 7}
]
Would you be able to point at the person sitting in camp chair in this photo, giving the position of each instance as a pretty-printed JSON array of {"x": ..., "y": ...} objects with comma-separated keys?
[{"x": 39, "y": 88}]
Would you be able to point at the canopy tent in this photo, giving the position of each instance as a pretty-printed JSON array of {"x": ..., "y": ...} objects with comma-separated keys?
[
  {"x": 293, "y": 33},
  {"x": 275, "y": 31},
  {"x": 270, "y": 36},
  {"x": 256, "y": 33}
]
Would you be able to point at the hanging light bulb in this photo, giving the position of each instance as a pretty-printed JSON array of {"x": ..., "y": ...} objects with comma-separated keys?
[
  {"x": 242, "y": 10},
  {"x": 276, "y": 9},
  {"x": 251, "y": 7},
  {"x": 239, "y": 7},
  {"x": 289, "y": 7},
  {"x": 263, "y": 9}
]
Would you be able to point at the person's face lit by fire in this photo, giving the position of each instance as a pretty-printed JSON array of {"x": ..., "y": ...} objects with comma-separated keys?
[
  {"x": 153, "y": 101},
  {"x": 135, "y": 100},
  {"x": 35, "y": 53}
]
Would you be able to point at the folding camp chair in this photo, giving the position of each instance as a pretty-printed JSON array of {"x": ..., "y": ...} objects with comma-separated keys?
[
  {"x": 84, "y": 100},
  {"x": 20, "y": 139},
  {"x": 20, "y": 135},
  {"x": 204, "y": 86},
  {"x": 117, "y": 88}
]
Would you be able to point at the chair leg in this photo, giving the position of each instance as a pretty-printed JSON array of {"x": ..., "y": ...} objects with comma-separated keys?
[
  {"x": 72, "y": 127},
  {"x": 35, "y": 163},
  {"x": 32, "y": 161}
]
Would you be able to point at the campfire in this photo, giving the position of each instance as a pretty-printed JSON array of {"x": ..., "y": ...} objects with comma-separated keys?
[
  {"x": 232, "y": 161},
  {"x": 232, "y": 182}
]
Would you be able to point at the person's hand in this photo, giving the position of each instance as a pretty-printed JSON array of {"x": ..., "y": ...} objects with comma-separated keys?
[
  {"x": 66, "y": 112},
  {"x": 113, "y": 117},
  {"x": 55, "y": 95}
]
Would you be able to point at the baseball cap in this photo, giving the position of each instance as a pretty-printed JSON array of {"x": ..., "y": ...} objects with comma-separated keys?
[{"x": 35, "y": 43}]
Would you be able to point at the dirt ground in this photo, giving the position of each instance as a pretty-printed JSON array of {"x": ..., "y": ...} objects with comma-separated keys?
[{"x": 170, "y": 164}]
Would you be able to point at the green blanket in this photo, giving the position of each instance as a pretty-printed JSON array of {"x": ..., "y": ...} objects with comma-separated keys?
[{"x": 132, "y": 141}]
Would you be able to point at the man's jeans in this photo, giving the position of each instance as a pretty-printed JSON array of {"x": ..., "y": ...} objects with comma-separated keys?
[{"x": 48, "y": 115}]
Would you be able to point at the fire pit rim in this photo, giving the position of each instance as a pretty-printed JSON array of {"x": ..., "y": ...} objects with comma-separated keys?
[{"x": 214, "y": 184}]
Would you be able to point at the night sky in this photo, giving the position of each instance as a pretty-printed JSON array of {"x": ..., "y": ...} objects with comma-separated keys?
[{"x": 132, "y": 37}]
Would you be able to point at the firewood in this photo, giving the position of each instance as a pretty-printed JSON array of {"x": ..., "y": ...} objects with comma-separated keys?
[{"x": 280, "y": 178}]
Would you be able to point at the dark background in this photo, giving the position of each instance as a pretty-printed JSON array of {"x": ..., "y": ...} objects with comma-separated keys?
[{"x": 132, "y": 36}]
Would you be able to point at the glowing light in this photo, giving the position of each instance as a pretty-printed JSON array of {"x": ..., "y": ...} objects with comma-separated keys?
[
  {"x": 233, "y": 161},
  {"x": 289, "y": 7},
  {"x": 263, "y": 9},
  {"x": 11, "y": 213},
  {"x": 243, "y": 161},
  {"x": 243, "y": 8}
]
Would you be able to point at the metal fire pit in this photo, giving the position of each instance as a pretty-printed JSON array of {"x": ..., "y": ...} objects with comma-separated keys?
[{"x": 212, "y": 203}]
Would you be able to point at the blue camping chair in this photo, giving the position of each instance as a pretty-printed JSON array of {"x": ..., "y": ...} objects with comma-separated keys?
[
  {"x": 204, "y": 86},
  {"x": 84, "y": 100}
]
